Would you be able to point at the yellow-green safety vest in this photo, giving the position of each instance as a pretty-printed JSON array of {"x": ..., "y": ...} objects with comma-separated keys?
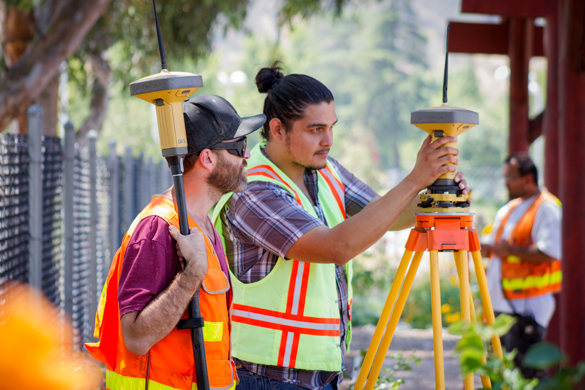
[{"x": 291, "y": 317}]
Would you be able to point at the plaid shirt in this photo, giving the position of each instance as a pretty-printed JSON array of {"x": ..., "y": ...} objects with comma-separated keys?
[{"x": 261, "y": 224}]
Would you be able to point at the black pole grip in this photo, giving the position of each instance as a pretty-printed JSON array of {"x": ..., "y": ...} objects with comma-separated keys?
[{"x": 193, "y": 309}]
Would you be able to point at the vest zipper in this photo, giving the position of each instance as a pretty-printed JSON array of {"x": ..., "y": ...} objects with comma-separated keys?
[{"x": 147, "y": 372}]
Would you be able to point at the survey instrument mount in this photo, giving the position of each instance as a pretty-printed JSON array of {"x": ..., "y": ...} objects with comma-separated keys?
[{"x": 444, "y": 195}]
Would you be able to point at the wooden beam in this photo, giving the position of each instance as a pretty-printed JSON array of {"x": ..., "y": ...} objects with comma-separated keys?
[
  {"x": 481, "y": 38},
  {"x": 551, "y": 113},
  {"x": 550, "y": 128},
  {"x": 513, "y": 9},
  {"x": 520, "y": 32},
  {"x": 573, "y": 50},
  {"x": 572, "y": 186}
]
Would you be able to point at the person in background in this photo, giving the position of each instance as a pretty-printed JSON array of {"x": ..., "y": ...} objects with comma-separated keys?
[{"x": 524, "y": 248}]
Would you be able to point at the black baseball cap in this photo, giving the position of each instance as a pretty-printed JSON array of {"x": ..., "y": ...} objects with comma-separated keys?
[{"x": 210, "y": 119}]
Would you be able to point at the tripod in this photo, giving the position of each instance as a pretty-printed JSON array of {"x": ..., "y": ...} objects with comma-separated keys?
[{"x": 436, "y": 232}]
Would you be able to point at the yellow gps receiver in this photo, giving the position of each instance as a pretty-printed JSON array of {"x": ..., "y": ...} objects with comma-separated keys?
[
  {"x": 167, "y": 90},
  {"x": 444, "y": 121},
  {"x": 444, "y": 195}
]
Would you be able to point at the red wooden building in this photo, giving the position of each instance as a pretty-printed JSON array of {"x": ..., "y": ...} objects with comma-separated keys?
[{"x": 562, "y": 42}]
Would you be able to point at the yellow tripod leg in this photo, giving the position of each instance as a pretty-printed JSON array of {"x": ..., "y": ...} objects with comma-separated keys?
[
  {"x": 465, "y": 293},
  {"x": 485, "y": 380},
  {"x": 374, "y": 344},
  {"x": 396, "y": 313},
  {"x": 486, "y": 301},
  {"x": 437, "y": 321}
]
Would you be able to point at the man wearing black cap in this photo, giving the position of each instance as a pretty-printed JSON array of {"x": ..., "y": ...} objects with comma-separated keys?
[{"x": 156, "y": 271}]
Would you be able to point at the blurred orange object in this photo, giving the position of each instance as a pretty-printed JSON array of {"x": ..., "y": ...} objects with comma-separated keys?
[{"x": 32, "y": 348}]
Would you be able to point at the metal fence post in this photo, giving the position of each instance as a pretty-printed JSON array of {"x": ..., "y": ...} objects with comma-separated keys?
[
  {"x": 114, "y": 168},
  {"x": 68, "y": 210},
  {"x": 151, "y": 180},
  {"x": 35, "y": 195},
  {"x": 93, "y": 221},
  {"x": 128, "y": 207},
  {"x": 140, "y": 180}
]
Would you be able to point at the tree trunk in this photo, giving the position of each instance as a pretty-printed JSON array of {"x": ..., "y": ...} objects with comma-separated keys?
[
  {"x": 102, "y": 76},
  {"x": 48, "y": 100},
  {"x": 25, "y": 81},
  {"x": 17, "y": 31}
]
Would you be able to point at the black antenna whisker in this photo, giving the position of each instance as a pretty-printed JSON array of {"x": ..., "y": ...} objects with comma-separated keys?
[
  {"x": 445, "y": 79},
  {"x": 161, "y": 48}
]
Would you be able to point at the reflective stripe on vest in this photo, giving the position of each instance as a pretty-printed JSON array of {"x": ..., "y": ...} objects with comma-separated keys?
[
  {"x": 336, "y": 186},
  {"x": 523, "y": 279},
  {"x": 267, "y": 171},
  {"x": 116, "y": 381}
]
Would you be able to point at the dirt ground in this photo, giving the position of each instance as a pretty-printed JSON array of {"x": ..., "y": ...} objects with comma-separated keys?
[{"x": 406, "y": 341}]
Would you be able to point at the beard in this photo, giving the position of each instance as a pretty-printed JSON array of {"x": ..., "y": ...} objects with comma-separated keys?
[
  {"x": 308, "y": 165},
  {"x": 228, "y": 177}
]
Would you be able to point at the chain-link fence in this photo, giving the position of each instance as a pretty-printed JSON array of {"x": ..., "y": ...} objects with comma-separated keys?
[
  {"x": 13, "y": 212},
  {"x": 63, "y": 216}
]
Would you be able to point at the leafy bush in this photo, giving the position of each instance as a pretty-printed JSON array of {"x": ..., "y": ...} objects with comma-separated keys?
[{"x": 502, "y": 372}]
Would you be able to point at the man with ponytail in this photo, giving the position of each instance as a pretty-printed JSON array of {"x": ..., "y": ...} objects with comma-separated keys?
[{"x": 289, "y": 237}]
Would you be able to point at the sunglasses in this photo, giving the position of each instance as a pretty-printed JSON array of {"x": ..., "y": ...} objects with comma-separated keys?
[{"x": 237, "y": 148}]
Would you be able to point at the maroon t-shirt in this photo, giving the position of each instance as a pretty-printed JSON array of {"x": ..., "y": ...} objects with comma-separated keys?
[{"x": 151, "y": 263}]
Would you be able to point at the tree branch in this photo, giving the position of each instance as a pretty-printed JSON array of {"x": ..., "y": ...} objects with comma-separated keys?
[
  {"x": 23, "y": 82},
  {"x": 535, "y": 128},
  {"x": 102, "y": 76}
]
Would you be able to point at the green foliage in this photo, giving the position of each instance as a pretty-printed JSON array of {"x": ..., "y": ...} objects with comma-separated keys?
[
  {"x": 387, "y": 378},
  {"x": 543, "y": 356},
  {"x": 25, "y": 5},
  {"x": 471, "y": 349},
  {"x": 502, "y": 372},
  {"x": 376, "y": 68},
  {"x": 372, "y": 278}
]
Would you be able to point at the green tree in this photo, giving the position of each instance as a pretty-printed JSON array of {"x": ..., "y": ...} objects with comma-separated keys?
[
  {"x": 383, "y": 50},
  {"x": 57, "y": 29}
]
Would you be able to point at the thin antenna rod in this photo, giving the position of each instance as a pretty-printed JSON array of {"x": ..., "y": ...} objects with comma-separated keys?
[
  {"x": 445, "y": 79},
  {"x": 161, "y": 48}
]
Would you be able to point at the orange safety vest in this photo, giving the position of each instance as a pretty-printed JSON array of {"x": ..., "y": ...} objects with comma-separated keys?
[
  {"x": 169, "y": 364},
  {"x": 523, "y": 279}
]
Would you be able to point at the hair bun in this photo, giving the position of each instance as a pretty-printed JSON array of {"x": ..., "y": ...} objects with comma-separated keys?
[{"x": 267, "y": 77}]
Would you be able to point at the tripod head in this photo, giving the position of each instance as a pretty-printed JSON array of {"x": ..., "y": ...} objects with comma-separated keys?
[{"x": 444, "y": 195}]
